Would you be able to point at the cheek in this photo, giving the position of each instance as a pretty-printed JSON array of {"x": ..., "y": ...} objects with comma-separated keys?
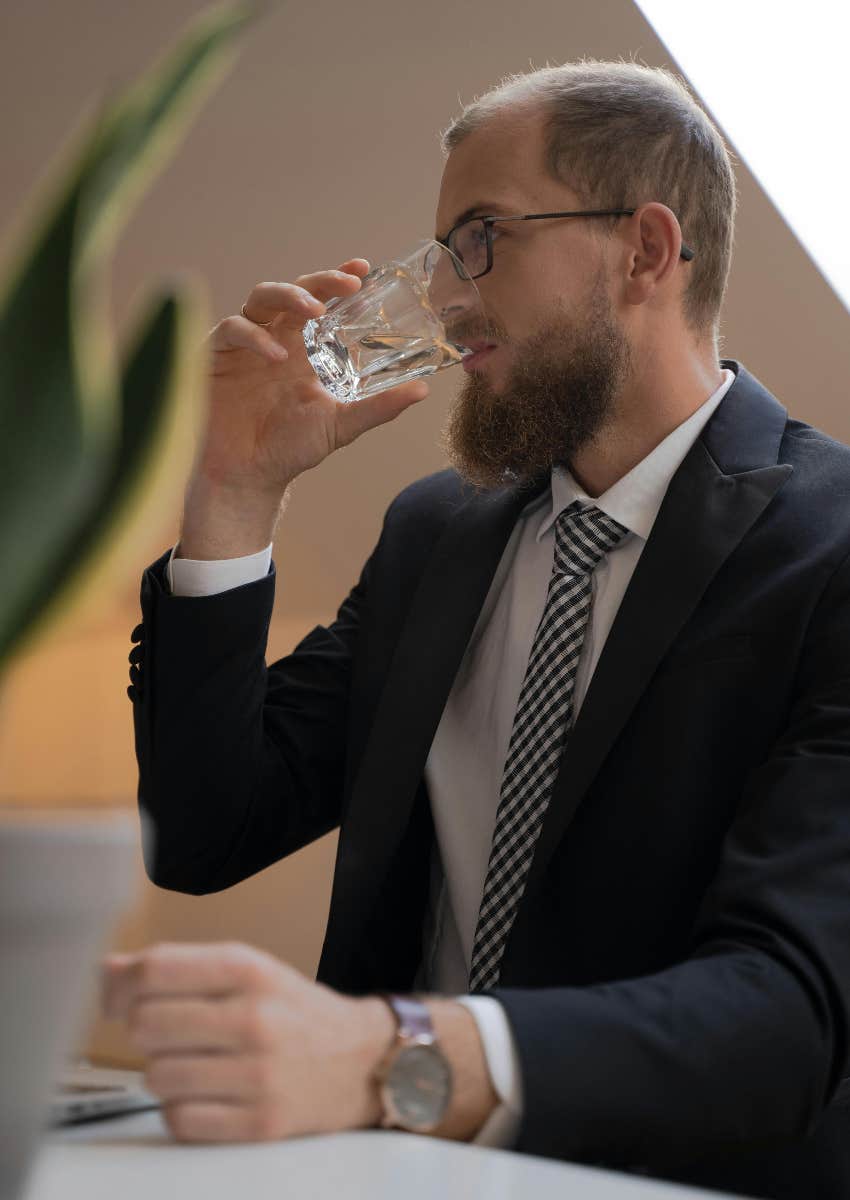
[
  {"x": 513, "y": 312},
  {"x": 534, "y": 301},
  {"x": 525, "y": 293}
]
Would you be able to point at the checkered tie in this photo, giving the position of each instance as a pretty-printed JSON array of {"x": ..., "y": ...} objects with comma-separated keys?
[{"x": 543, "y": 716}]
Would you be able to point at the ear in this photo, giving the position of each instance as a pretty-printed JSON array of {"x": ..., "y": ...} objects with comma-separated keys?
[{"x": 655, "y": 243}]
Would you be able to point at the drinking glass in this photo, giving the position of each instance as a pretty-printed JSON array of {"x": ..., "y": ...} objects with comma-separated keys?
[{"x": 399, "y": 326}]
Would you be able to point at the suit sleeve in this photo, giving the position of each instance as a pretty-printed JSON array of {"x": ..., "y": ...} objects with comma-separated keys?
[
  {"x": 240, "y": 763},
  {"x": 746, "y": 1040}
]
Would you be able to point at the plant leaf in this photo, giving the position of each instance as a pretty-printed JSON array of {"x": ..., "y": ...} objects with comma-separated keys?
[
  {"x": 60, "y": 415},
  {"x": 163, "y": 407}
]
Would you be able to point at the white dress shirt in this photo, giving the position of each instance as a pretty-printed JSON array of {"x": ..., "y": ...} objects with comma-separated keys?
[{"x": 470, "y": 746}]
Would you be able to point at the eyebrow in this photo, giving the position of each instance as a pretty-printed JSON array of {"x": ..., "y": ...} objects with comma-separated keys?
[{"x": 477, "y": 210}]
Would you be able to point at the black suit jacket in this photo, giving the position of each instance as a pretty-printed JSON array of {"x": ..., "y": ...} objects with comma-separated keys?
[{"x": 677, "y": 978}]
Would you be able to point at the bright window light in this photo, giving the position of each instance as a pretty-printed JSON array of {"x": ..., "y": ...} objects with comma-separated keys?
[{"x": 773, "y": 74}]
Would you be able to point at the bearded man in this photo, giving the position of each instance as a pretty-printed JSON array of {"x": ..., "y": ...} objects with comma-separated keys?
[{"x": 583, "y": 723}]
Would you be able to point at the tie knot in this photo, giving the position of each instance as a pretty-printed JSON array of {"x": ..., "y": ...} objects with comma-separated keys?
[{"x": 582, "y": 537}]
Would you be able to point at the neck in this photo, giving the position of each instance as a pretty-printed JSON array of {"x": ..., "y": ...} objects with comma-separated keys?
[{"x": 651, "y": 405}]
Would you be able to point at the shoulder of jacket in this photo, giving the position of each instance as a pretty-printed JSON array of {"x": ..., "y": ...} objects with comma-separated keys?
[
  {"x": 804, "y": 446},
  {"x": 434, "y": 498}
]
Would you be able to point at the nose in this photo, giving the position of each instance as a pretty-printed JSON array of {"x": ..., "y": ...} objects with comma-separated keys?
[{"x": 453, "y": 298}]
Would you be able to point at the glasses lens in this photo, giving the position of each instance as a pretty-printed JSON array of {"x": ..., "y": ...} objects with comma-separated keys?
[{"x": 469, "y": 243}]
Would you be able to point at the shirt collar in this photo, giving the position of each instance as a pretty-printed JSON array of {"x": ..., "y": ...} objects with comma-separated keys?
[{"x": 635, "y": 499}]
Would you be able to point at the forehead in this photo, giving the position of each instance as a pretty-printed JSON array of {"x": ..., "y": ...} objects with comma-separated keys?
[{"x": 499, "y": 166}]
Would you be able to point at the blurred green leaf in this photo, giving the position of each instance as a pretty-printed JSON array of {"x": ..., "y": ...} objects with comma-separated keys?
[{"x": 79, "y": 444}]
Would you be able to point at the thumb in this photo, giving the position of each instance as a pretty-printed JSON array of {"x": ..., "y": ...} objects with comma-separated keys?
[
  {"x": 357, "y": 416},
  {"x": 113, "y": 967},
  {"x": 116, "y": 959}
]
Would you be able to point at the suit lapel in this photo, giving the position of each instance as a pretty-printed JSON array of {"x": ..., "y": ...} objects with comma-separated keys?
[
  {"x": 430, "y": 648},
  {"x": 705, "y": 514}
]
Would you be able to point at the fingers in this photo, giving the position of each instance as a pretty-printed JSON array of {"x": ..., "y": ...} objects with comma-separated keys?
[
  {"x": 174, "y": 1077},
  {"x": 293, "y": 305},
  {"x": 176, "y": 968},
  {"x": 288, "y": 305},
  {"x": 356, "y": 266},
  {"x": 210, "y": 1121},
  {"x": 327, "y": 284},
  {"x": 168, "y": 1026},
  {"x": 239, "y": 333},
  {"x": 205, "y": 1025},
  {"x": 298, "y": 302}
]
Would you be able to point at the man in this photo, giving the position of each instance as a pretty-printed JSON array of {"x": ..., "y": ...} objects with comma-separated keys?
[{"x": 583, "y": 723}]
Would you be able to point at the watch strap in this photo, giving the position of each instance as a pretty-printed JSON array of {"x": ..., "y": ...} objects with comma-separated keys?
[{"x": 414, "y": 1020}]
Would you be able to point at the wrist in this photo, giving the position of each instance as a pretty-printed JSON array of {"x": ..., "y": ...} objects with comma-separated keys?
[
  {"x": 227, "y": 521},
  {"x": 379, "y": 1025},
  {"x": 473, "y": 1096}
]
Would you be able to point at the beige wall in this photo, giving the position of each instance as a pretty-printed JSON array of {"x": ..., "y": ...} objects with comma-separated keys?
[{"x": 321, "y": 144}]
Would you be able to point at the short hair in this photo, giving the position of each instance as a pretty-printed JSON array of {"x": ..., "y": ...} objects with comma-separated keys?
[{"x": 622, "y": 134}]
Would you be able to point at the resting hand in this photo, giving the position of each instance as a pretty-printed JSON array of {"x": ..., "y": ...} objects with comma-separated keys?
[{"x": 242, "y": 1047}]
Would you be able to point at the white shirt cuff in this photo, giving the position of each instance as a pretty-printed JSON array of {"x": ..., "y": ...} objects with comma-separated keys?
[
  {"x": 502, "y": 1126},
  {"x": 206, "y": 577}
]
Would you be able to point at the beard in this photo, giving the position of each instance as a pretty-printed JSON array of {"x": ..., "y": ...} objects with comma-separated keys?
[{"x": 560, "y": 393}]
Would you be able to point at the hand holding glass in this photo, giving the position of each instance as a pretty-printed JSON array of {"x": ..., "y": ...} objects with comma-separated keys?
[{"x": 399, "y": 326}]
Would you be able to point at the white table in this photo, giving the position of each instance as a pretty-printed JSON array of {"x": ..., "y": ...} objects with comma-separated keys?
[{"x": 134, "y": 1157}]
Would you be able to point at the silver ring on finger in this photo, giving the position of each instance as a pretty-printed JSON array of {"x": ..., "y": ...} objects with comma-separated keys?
[{"x": 264, "y": 324}]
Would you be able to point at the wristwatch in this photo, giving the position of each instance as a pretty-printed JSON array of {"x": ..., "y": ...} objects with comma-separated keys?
[{"x": 415, "y": 1076}]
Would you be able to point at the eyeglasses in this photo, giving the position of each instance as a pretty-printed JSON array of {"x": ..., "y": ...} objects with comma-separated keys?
[{"x": 471, "y": 241}]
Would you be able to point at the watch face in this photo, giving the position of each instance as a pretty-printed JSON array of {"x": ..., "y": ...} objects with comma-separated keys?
[{"x": 420, "y": 1083}]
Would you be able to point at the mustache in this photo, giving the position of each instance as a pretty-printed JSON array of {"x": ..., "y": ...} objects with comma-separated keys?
[{"x": 463, "y": 333}]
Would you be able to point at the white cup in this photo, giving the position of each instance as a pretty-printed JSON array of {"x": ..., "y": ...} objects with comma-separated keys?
[{"x": 66, "y": 877}]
